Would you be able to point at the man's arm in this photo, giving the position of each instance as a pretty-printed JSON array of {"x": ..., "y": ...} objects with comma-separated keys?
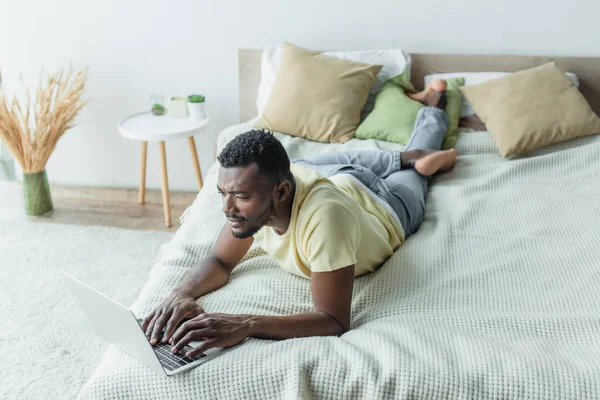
[
  {"x": 332, "y": 297},
  {"x": 209, "y": 275},
  {"x": 213, "y": 271}
]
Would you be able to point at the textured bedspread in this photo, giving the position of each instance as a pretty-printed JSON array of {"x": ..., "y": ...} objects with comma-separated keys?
[{"x": 496, "y": 296}]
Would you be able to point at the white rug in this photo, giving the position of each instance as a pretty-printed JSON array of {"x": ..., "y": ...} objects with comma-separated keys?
[{"x": 47, "y": 350}]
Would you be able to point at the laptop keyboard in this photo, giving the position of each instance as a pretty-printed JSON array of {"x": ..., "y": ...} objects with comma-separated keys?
[{"x": 173, "y": 361}]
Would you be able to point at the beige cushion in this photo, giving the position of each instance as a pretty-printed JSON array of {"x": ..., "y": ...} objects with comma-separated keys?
[
  {"x": 531, "y": 109},
  {"x": 317, "y": 97}
]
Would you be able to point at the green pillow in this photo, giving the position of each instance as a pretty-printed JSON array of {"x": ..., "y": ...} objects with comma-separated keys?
[{"x": 394, "y": 113}]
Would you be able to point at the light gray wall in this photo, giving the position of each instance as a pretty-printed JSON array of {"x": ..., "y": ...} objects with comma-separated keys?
[
  {"x": 7, "y": 169},
  {"x": 137, "y": 47}
]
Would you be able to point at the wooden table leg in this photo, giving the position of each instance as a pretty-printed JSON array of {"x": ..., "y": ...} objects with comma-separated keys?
[
  {"x": 142, "y": 195},
  {"x": 165, "y": 183},
  {"x": 195, "y": 160}
]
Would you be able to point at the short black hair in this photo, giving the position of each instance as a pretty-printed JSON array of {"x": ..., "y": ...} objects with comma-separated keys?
[{"x": 260, "y": 147}]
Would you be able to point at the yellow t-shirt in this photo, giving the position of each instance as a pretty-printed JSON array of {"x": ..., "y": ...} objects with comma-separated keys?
[{"x": 331, "y": 227}]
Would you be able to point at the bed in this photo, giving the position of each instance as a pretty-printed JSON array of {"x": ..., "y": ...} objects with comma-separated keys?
[{"x": 496, "y": 296}]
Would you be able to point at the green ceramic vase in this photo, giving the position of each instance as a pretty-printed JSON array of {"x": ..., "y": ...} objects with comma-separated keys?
[{"x": 36, "y": 190}]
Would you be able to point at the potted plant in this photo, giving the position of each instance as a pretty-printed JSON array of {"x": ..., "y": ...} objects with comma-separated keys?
[
  {"x": 158, "y": 109},
  {"x": 157, "y": 101},
  {"x": 31, "y": 130},
  {"x": 196, "y": 106}
]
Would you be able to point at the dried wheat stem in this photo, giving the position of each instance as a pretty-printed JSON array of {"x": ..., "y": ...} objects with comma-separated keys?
[{"x": 31, "y": 131}]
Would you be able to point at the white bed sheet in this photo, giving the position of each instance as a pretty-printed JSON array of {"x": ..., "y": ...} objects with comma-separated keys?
[{"x": 496, "y": 296}]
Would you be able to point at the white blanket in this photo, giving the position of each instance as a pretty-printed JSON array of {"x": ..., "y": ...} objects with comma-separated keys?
[{"x": 496, "y": 296}]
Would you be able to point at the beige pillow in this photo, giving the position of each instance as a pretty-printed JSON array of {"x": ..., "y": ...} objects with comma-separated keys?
[
  {"x": 317, "y": 97},
  {"x": 531, "y": 109}
]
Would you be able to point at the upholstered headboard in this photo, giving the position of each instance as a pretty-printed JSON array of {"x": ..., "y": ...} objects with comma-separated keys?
[{"x": 586, "y": 68}]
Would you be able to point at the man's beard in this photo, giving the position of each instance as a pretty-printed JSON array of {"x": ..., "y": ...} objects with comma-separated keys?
[{"x": 262, "y": 220}]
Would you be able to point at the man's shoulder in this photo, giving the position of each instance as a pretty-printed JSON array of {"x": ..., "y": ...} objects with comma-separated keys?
[
  {"x": 324, "y": 193},
  {"x": 326, "y": 201}
]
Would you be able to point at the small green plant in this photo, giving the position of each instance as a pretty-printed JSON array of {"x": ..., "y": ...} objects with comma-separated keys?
[
  {"x": 196, "y": 98},
  {"x": 158, "y": 109}
]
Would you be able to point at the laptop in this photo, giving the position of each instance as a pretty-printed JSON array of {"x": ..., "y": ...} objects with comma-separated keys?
[{"x": 118, "y": 325}]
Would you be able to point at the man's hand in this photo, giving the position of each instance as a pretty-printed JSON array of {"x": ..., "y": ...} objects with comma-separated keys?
[
  {"x": 217, "y": 330},
  {"x": 170, "y": 313}
]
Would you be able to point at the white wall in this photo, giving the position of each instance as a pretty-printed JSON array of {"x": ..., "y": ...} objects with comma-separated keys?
[{"x": 137, "y": 47}]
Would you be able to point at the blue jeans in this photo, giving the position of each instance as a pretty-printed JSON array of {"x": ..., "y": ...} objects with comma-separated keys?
[{"x": 404, "y": 190}]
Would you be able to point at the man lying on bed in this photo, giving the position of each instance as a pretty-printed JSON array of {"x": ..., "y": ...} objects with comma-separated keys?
[{"x": 327, "y": 229}]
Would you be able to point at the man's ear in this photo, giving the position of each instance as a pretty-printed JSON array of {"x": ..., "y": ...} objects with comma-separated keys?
[{"x": 284, "y": 190}]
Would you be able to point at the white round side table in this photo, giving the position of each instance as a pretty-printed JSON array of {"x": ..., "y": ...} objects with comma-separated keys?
[{"x": 147, "y": 127}]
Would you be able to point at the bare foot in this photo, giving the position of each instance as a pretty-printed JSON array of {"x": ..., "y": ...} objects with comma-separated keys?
[
  {"x": 433, "y": 95},
  {"x": 436, "y": 161}
]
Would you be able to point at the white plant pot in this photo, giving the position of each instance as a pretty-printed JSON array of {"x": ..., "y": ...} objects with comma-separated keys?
[
  {"x": 196, "y": 110},
  {"x": 177, "y": 107}
]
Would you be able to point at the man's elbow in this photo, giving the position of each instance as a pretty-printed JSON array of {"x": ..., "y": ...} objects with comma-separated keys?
[
  {"x": 342, "y": 330},
  {"x": 339, "y": 327}
]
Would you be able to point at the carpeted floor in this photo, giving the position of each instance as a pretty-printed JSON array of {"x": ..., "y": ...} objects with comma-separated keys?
[{"x": 47, "y": 348}]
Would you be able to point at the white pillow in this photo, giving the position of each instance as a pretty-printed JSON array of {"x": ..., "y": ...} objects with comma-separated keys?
[
  {"x": 394, "y": 63},
  {"x": 474, "y": 78}
]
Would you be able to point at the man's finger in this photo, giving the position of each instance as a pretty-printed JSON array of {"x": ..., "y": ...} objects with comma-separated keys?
[
  {"x": 147, "y": 320},
  {"x": 208, "y": 344},
  {"x": 150, "y": 327},
  {"x": 175, "y": 319},
  {"x": 193, "y": 335},
  {"x": 158, "y": 327},
  {"x": 187, "y": 338},
  {"x": 185, "y": 327}
]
